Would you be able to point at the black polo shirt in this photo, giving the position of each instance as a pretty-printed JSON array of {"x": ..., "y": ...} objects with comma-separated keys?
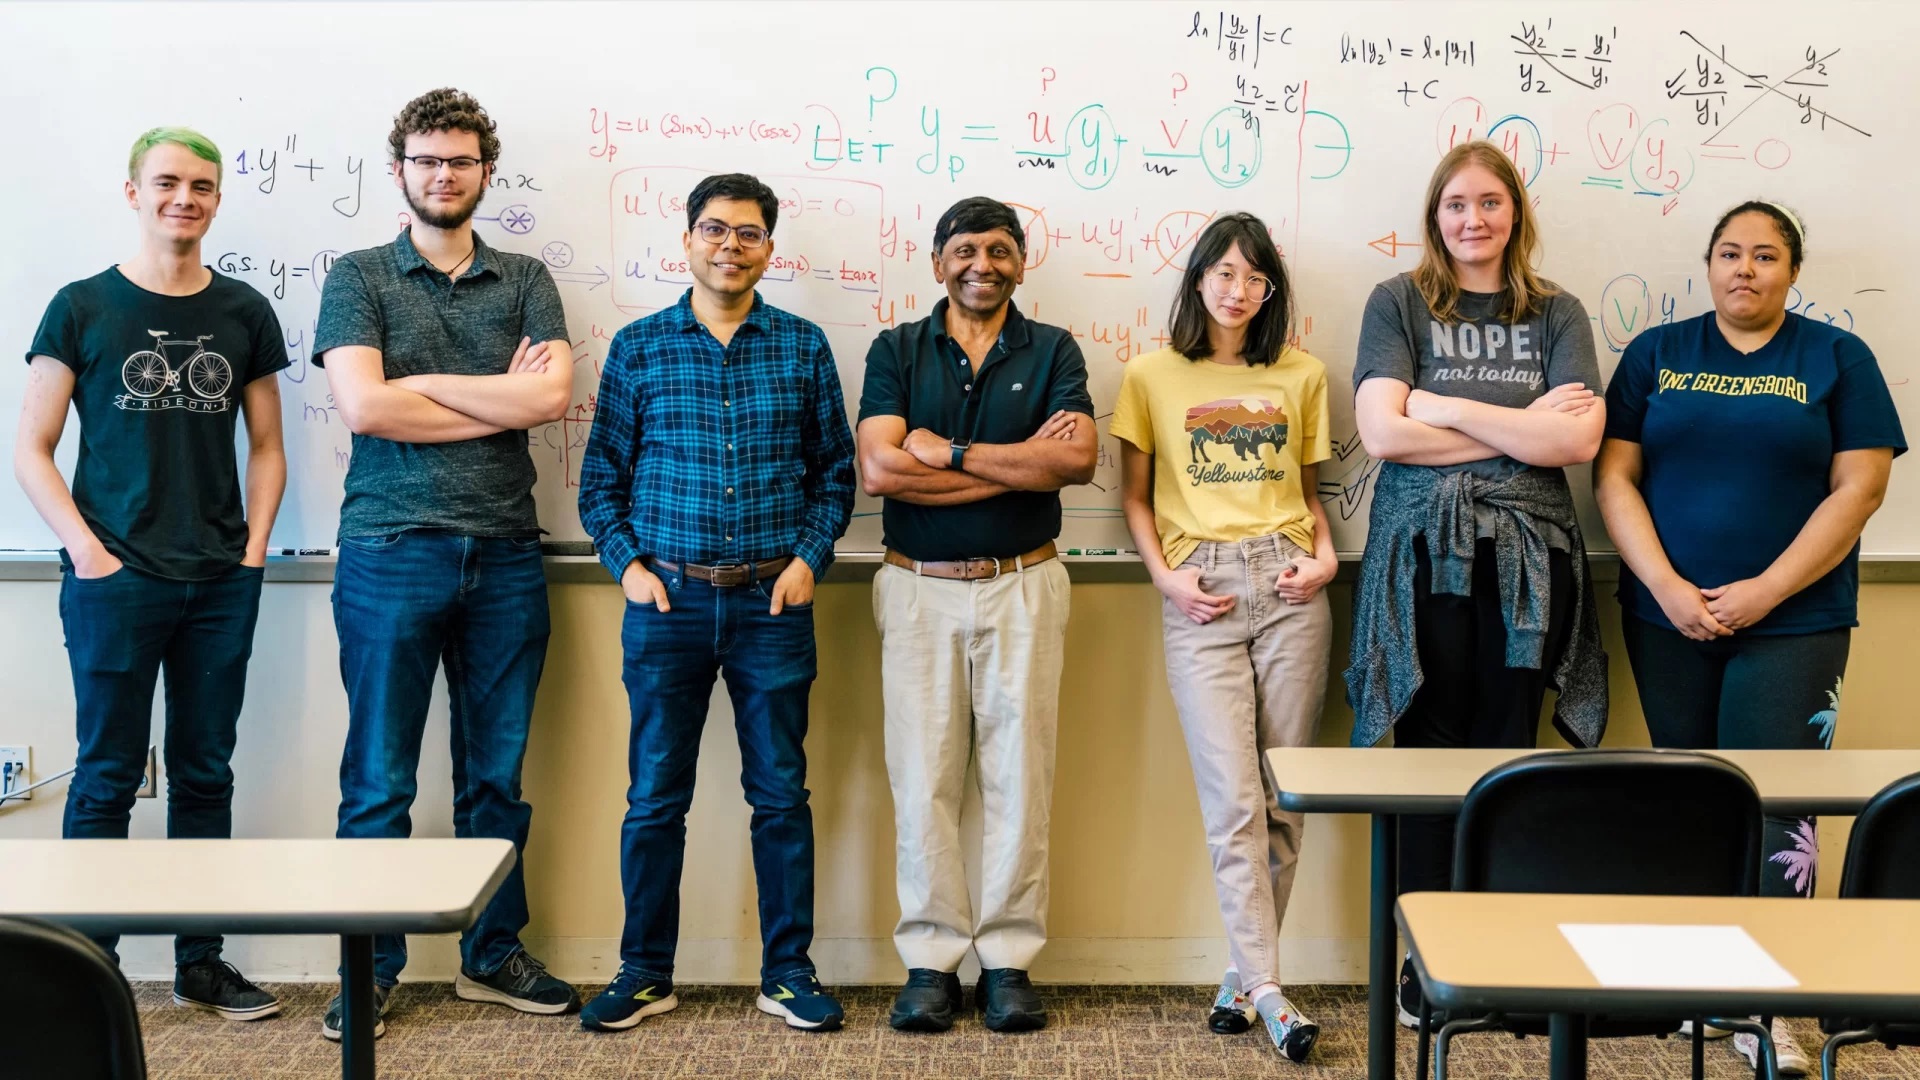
[{"x": 916, "y": 372}]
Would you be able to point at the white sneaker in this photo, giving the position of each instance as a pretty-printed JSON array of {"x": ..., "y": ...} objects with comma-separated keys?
[
  {"x": 1786, "y": 1050},
  {"x": 1709, "y": 1031}
]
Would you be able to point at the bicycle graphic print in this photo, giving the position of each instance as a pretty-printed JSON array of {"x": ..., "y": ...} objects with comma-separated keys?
[{"x": 154, "y": 383}]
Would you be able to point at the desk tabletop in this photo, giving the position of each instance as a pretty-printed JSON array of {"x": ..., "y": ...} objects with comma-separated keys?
[
  {"x": 253, "y": 886},
  {"x": 1421, "y": 780},
  {"x": 1506, "y": 951}
]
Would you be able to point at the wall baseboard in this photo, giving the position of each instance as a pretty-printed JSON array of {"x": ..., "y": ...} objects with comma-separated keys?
[{"x": 736, "y": 961}]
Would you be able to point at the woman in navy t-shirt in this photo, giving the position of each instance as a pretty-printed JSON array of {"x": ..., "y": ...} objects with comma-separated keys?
[{"x": 1745, "y": 450}]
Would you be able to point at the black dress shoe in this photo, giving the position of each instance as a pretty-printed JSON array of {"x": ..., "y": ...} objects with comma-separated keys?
[
  {"x": 929, "y": 1001},
  {"x": 1007, "y": 1001}
]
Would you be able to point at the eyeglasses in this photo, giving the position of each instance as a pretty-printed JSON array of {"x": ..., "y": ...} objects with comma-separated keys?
[
  {"x": 1222, "y": 283},
  {"x": 751, "y": 236},
  {"x": 429, "y": 163}
]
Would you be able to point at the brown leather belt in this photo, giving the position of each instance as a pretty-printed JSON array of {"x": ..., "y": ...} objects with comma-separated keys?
[
  {"x": 974, "y": 569},
  {"x": 725, "y": 575}
]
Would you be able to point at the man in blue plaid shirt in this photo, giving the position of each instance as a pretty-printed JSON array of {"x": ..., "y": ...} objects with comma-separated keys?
[{"x": 718, "y": 476}]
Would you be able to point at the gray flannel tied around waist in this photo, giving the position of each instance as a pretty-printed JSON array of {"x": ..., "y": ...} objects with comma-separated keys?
[{"x": 1412, "y": 502}]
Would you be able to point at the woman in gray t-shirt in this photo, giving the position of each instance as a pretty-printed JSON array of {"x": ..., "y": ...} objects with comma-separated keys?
[{"x": 1475, "y": 385}]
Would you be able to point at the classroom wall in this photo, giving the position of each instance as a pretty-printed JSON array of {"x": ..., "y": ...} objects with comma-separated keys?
[{"x": 1132, "y": 894}]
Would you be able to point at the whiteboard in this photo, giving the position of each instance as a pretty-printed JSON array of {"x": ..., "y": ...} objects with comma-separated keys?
[{"x": 1116, "y": 129}]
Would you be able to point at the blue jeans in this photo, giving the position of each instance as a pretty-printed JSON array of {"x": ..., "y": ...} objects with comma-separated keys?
[
  {"x": 122, "y": 630},
  {"x": 671, "y": 660},
  {"x": 403, "y": 603}
]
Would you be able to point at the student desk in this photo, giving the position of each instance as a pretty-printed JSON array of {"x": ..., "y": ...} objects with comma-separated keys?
[
  {"x": 1504, "y": 951},
  {"x": 353, "y": 888},
  {"x": 1385, "y": 781}
]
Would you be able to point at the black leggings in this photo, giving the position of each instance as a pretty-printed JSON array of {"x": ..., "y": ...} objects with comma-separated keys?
[
  {"x": 1468, "y": 696},
  {"x": 1745, "y": 692}
]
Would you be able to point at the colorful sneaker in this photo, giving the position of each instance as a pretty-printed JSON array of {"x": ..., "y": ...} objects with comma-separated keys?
[
  {"x": 331, "y": 1023},
  {"x": 1229, "y": 1016},
  {"x": 1292, "y": 1033},
  {"x": 1408, "y": 999},
  {"x": 217, "y": 987},
  {"x": 802, "y": 1001},
  {"x": 626, "y": 1001},
  {"x": 1786, "y": 1050},
  {"x": 521, "y": 983}
]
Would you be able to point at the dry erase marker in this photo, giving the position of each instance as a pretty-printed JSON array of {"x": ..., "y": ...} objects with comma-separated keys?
[
  {"x": 1093, "y": 551},
  {"x": 302, "y": 551}
]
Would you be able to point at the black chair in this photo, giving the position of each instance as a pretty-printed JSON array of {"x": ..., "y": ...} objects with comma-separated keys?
[
  {"x": 1633, "y": 822},
  {"x": 65, "y": 1009},
  {"x": 1883, "y": 863}
]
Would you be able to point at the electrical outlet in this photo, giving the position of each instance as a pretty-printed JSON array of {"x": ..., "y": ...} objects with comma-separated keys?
[
  {"x": 150, "y": 783},
  {"x": 16, "y": 767}
]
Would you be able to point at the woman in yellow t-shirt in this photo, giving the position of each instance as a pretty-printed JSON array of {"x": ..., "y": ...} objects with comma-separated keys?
[{"x": 1221, "y": 436}]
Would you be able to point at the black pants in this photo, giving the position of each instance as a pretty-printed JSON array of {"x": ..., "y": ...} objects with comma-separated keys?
[
  {"x": 1745, "y": 692},
  {"x": 1468, "y": 696}
]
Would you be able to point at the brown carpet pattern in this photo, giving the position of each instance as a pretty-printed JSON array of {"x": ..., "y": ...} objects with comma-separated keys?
[{"x": 1098, "y": 1033}]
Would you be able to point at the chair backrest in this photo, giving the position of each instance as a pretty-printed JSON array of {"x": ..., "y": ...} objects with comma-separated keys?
[
  {"x": 1883, "y": 853},
  {"x": 65, "y": 1009},
  {"x": 1660, "y": 822}
]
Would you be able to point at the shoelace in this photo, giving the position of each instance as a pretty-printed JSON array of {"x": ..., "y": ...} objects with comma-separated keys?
[
  {"x": 626, "y": 983},
  {"x": 524, "y": 969},
  {"x": 226, "y": 975},
  {"x": 927, "y": 978}
]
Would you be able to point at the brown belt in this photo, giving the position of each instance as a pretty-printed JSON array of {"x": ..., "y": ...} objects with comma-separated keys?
[
  {"x": 726, "y": 575},
  {"x": 974, "y": 569}
]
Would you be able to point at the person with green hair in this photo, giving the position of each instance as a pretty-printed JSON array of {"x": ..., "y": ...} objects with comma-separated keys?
[{"x": 161, "y": 555}]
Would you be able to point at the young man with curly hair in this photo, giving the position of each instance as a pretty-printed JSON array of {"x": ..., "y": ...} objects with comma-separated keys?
[{"x": 441, "y": 351}]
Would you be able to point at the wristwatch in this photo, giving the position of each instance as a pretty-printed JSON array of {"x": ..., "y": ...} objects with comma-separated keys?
[{"x": 959, "y": 451}]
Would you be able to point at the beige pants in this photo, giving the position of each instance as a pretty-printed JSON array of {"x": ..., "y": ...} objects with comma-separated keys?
[
  {"x": 971, "y": 667},
  {"x": 1251, "y": 679}
]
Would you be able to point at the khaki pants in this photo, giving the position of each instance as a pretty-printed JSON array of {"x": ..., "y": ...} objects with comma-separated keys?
[
  {"x": 971, "y": 667},
  {"x": 1251, "y": 679}
]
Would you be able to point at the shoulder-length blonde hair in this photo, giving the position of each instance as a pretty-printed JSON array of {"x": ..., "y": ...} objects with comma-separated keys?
[{"x": 1434, "y": 277}]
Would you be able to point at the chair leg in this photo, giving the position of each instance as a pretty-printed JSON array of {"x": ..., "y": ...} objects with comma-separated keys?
[
  {"x": 1454, "y": 1027},
  {"x": 1699, "y": 1048},
  {"x": 1830, "y": 1053},
  {"x": 1425, "y": 1040}
]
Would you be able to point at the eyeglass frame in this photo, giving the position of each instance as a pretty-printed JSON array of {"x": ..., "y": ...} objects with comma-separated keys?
[
  {"x": 699, "y": 230},
  {"x": 1212, "y": 277},
  {"x": 450, "y": 162}
]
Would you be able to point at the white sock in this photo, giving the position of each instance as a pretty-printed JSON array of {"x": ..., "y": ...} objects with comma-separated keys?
[{"x": 1267, "y": 999}]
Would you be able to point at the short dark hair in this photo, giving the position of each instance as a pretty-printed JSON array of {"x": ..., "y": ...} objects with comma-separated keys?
[
  {"x": 445, "y": 109},
  {"x": 978, "y": 214},
  {"x": 1271, "y": 326},
  {"x": 733, "y": 185},
  {"x": 1784, "y": 220}
]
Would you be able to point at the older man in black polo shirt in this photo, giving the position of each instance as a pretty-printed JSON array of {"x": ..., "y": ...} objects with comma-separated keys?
[{"x": 971, "y": 421}]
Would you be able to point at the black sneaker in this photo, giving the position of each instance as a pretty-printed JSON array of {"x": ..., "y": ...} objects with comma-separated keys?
[
  {"x": 1008, "y": 1002},
  {"x": 331, "y": 1024},
  {"x": 1409, "y": 996},
  {"x": 521, "y": 983},
  {"x": 929, "y": 1002},
  {"x": 216, "y": 986}
]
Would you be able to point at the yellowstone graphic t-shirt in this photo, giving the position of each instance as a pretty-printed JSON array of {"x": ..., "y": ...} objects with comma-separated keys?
[
  {"x": 157, "y": 386},
  {"x": 1478, "y": 356},
  {"x": 1227, "y": 444}
]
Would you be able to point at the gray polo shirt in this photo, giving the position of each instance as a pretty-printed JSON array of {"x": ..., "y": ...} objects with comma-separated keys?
[{"x": 391, "y": 299}]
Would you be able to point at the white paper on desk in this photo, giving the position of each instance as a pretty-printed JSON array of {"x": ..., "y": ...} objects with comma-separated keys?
[{"x": 1675, "y": 957}]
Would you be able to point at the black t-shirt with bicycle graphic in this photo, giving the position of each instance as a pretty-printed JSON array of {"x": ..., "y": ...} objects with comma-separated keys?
[{"x": 158, "y": 382}]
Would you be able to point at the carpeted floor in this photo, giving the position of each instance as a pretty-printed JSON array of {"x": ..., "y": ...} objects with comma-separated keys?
[{"x": 1098, "y": 1033}]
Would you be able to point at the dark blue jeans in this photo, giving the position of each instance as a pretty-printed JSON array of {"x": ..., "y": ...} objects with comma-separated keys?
[
  {"x": 122, "y": 631},
  {"x": 403, "y": 603},
  {"x": 671, "y": 660}
]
